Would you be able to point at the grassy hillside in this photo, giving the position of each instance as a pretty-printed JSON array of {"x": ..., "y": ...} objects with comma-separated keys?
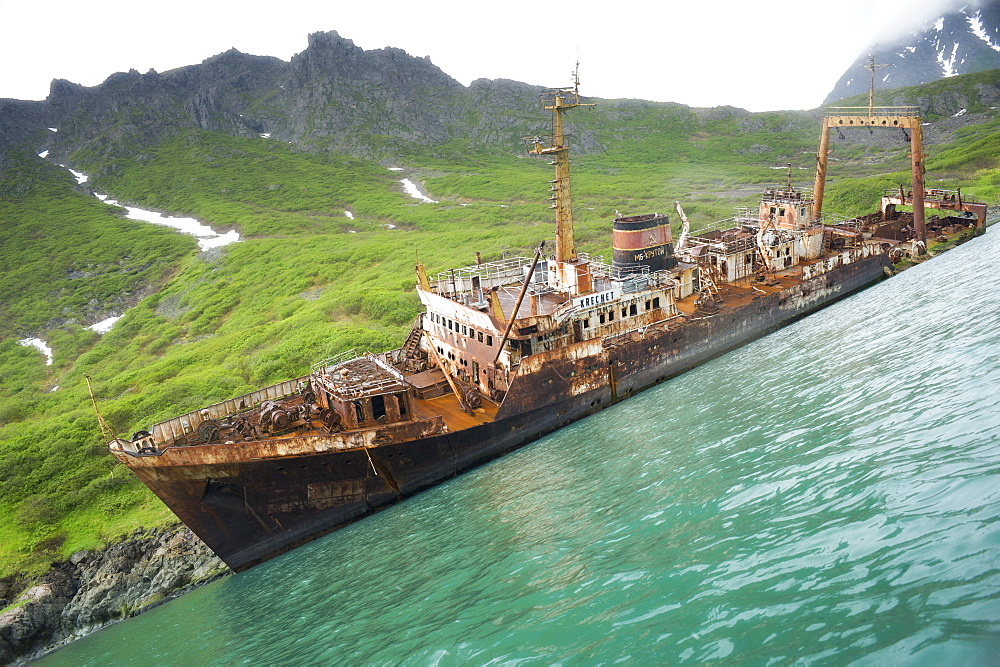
[{"x": 308, "y": 282}]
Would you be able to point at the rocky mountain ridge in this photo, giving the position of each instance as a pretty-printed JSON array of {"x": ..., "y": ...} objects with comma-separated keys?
[
  {"x": 332, "y": 96},
  {"x": 962, "y": 41}
]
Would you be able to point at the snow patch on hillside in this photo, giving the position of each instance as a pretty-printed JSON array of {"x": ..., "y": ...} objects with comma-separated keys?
[
  {"x": 104, "y": 326},
  {"x": 207, "y": 237},
  {"x": 976, "y": 24},
  {"x": 39, "y": 345},
  {"x": 948, "y": 62},
  {"x": 411, "y": 189}
]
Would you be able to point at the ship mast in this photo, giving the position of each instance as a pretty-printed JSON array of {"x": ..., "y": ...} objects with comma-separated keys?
[
  {"x": 563, "y": 100},
  {"x": 872, "y": 67}
]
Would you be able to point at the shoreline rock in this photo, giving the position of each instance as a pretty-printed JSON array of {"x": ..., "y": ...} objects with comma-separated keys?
[{"x": 96, "y": 588}]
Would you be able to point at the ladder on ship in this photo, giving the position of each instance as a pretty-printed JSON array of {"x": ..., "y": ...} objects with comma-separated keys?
[
  {"x": 412, "y": 342},
  {"x": 709, "y": 278},
  {"x": 827, "y": 241}
]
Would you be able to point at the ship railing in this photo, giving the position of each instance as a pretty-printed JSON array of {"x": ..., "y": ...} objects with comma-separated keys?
[
  {"x": 873, "y": 112},
  {"x": 348, "y": 389},
  {"x": 838, "y": 220},
  {"x": 335, "y": 360},
  {"x": 938, "y": 194},
  {"x": 599, "y": 269},
  {"x": 786, "y": 196},
  {"x": 643, "y": 282},
  {"x": 743, "y": 219},
  {"x": 717, "y": 243},
  {"x": 171, "y": 430},
  {"x": 380, "y": 361},
  {"x": 483, "y": 276}
]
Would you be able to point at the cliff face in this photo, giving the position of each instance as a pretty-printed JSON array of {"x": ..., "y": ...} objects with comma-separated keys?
[
  {"x": 93, "y": 589},
  {"x": 332, "y": 96},
  {"x": 960, "y": 42}
]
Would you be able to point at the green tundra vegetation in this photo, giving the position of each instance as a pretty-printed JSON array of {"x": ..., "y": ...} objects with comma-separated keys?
[{"x": 307, "y": 282}]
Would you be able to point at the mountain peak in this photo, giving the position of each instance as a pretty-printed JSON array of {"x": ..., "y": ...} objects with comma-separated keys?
[{"x": 962, "y": 41}]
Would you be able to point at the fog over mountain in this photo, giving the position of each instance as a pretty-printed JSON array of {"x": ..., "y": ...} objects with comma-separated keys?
[{"x": 961, "y": 41}]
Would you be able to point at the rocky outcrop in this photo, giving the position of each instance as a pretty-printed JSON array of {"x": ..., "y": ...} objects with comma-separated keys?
[{"x": 93, "y": 589}]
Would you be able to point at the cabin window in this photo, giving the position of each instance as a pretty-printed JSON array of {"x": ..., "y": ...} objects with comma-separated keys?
[
  {"x": 586, "y": 324},
  {"x": 480, "y": 336},
  {"x": 611, "y": 315},
  {"x": 465, "y": 330},
  {"x": 603, "y": 318},
  {"x": 489, "y": 340},
  {"x": 802, "y": 211},
  {"x": 773, "y": 210},
  {"x": 788, "y": 251},
  {"x": 450, "y": 327},
  {"x": 472, "y": 333},
  {"x": 633, "y": 309},
  {"x": 647, "y": 305},
  {"x": 656, "y": 302},
  {"x": 378, "y": 407},
  {"x": 359, "y": 412},
  {"x": 781, "y": 213}
]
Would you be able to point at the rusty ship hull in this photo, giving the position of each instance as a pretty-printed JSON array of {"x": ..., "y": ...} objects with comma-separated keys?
[{"x": 249, "y": 503}]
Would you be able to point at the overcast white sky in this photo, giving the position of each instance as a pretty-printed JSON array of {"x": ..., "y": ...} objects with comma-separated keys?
[{"x": 759, "y": 55}]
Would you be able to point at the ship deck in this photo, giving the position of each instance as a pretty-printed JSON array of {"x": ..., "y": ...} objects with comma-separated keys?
[
  {"x": 451, "y": 412},
  {"x": 445, "y": 406},
  {"x": 734, "y": 295}
]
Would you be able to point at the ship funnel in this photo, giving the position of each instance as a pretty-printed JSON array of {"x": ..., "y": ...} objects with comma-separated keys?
[{"x": 643, "y": 240}]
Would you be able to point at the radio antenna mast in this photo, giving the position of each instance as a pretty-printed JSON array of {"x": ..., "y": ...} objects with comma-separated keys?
[{"x": 872, "y": 67}]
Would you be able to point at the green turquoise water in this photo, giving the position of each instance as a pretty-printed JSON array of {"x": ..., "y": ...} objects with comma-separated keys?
[{"x": 828, "y": 494}]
